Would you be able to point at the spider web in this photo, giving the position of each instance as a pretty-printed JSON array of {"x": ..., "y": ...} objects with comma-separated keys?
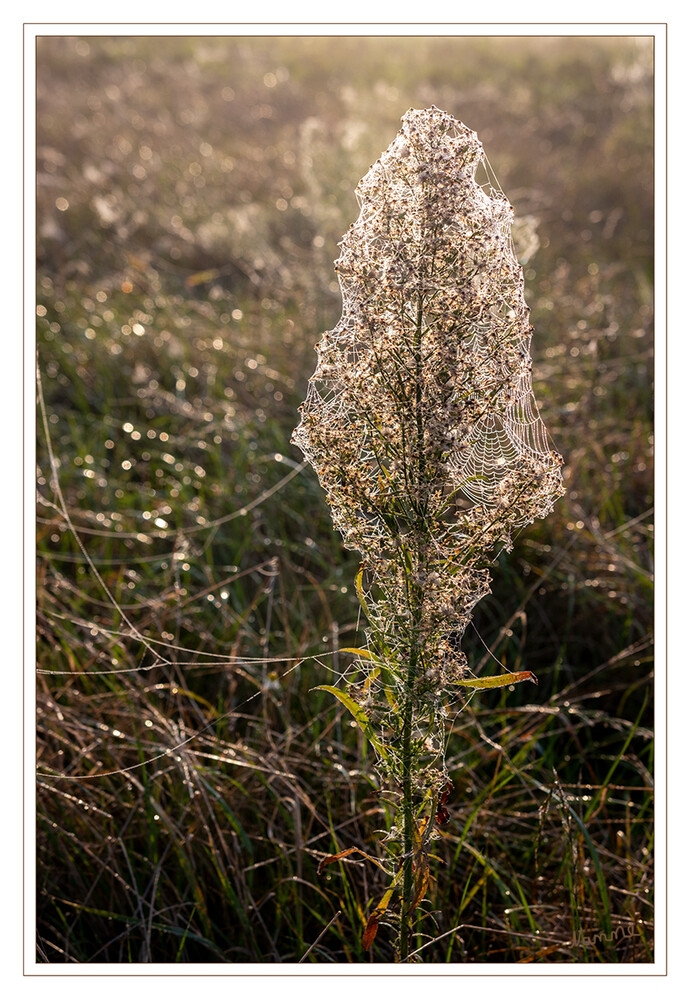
[{"x": 499, "y": 443}]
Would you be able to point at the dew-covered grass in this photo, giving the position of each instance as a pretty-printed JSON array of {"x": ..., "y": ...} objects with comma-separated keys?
[{"x": 192, "y": 592}]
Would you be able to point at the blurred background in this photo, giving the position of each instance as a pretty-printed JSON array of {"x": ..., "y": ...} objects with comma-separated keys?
[{"x": 191, "y": 192}]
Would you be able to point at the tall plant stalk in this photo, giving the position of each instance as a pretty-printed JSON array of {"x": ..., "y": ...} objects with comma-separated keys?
[
  {"x": 421, "y": 424},
  {"x": 416, "y": 618}
]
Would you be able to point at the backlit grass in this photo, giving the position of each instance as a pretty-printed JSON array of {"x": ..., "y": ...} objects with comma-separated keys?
[{"x": 192, "y": 592}]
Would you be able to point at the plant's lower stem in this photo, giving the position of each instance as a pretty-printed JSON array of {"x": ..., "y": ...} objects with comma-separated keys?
[
  {"x": 416, "y": 599},
  {"x": 408, "y": 817}
]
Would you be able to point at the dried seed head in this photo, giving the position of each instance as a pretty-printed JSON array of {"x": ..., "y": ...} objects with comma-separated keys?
[{"x": 420, "y": 418}]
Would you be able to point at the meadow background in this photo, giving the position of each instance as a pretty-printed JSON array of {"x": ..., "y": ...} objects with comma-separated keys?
[{"x": 191, "y": 591}]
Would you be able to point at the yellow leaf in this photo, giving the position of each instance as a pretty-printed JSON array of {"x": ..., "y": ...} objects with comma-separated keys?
[
  {"x": 362, "y": 653},
  {"x": 484, "y": 682},
  {"x": 201, "y": 277},
  {"x": 359, "y": 716},
  {"x": 360, "y": 590}
]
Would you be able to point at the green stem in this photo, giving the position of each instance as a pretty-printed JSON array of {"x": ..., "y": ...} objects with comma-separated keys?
[
  {"x": 408, "y": 818},
  {"x": 415, "y": 600},
  {"x": 421, "y": 463}
]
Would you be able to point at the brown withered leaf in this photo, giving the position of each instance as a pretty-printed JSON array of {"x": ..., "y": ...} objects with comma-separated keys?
[
  {"x": 373, "y": 922},
  {"x": 331, "y": 858}
]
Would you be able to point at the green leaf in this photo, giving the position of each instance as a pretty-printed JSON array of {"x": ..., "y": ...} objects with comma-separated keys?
[{"x": 359, "y": 716}]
